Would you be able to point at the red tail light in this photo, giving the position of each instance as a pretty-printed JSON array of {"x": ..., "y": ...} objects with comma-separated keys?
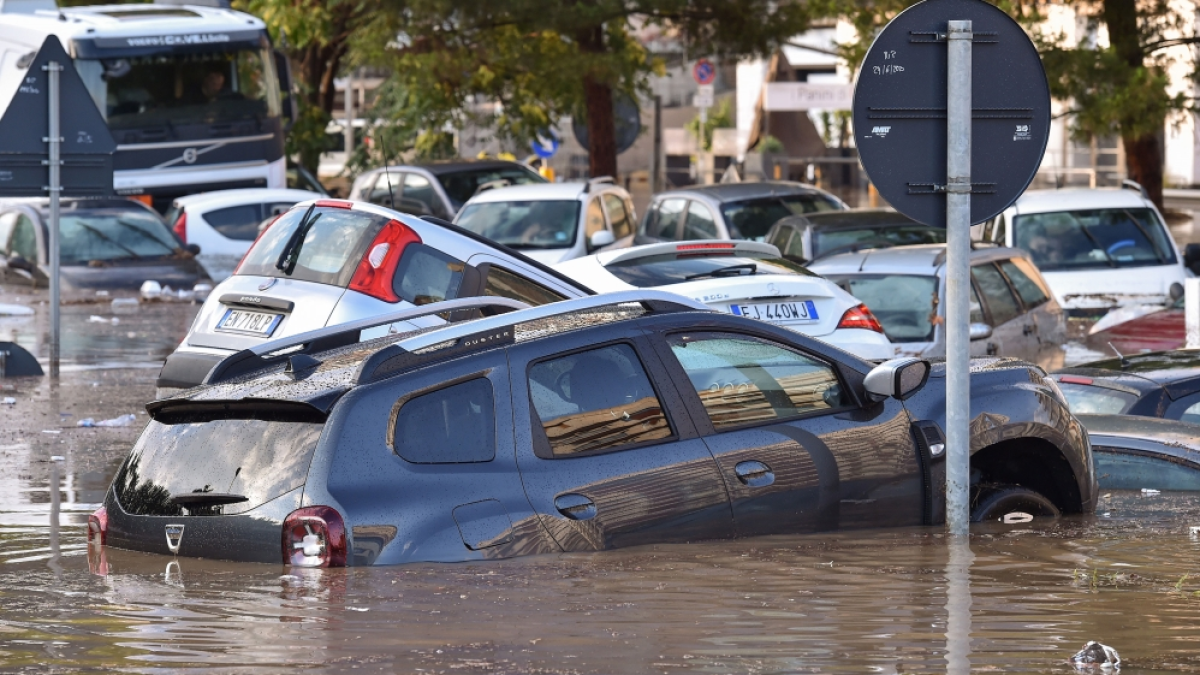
[
  {"x": 314, "y": 536},
  {"x": 1075, "y": 379},
  {"x": 704, "y": 247},
  {"x": 375, "y": 270},
  {"x": 98, "y": 526},
  {"x": 860, "y": 317},
  {"x": 180, "y": 226}
]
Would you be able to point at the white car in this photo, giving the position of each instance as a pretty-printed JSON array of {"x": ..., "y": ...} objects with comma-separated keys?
[
  {"x": 1098, "y": 249},
  {"x": 225, "y": 223},
  {"x": 553, "y": 222},
  {"x": 745, "y": 278}
]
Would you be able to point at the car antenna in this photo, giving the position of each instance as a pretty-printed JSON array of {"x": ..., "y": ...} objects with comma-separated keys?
[
  {"x": 388, "y": 176},
  {"x": 1124, "y": 361}
]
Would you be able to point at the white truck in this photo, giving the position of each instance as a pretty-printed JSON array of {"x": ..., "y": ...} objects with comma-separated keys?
[{"x": 195, "y": 96}]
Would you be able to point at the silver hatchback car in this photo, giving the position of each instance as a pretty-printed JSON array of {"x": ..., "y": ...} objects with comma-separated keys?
[{"x": 330, "y": 262}]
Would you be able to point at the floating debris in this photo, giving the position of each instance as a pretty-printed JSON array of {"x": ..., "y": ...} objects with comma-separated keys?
[{"x": 1096, "y": 655}]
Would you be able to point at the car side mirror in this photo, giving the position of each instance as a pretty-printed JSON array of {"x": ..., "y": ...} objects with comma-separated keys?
[
  {"x": 600, "y": 240},
  {"x": 194, "y": 249},
  {"x": 979, "y": 331},
  {"x": 1191, "y": 255},
  {"x": 898, "y": 378}
]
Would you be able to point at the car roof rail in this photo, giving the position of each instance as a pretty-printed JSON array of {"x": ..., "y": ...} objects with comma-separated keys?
[
  {"x": 696, "y": 248},
  {"x": 597, "y": 181},
  {"x": 269, "y": 353},
  {"x": 494, "y": 330}
]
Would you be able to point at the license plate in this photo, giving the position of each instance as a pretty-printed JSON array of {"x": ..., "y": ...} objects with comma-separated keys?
[
  {"x": 253, "y": 323},
  {"x": 801, "y": 311}
]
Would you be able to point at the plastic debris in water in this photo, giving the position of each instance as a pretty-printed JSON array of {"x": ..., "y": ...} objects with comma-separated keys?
[
  {"x": 8, "y": 400},
  {"x": 1150, "y": 491},
  {"x": 124, "y": 306},
  {"x": 100, "y": 319},
  {"x": 1017, "y": 517},
  {"x": 15, "y": 310},
  {"x": 150, "y": 289},
  {"x": 1096, "y": 655},
  {"x": 122, "y": 421}
]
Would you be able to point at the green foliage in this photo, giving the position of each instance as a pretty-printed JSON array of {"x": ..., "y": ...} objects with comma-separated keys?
[
  {"x": 719, "y": 117},
  {"x": 306, "y": 140},
  {"x": 769, "y": 144}
]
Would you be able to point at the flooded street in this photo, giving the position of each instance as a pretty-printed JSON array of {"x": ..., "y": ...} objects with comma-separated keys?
[{"x": 1024, "y": 598}]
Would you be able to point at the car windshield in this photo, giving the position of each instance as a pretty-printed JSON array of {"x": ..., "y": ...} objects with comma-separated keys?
[
  {"x": 89, "y": 234},
  {"x": 328, "y": 252},
  {"x": 665, "y": 270},
  {"x": 905, "y": 304},
  {"x": 1086, "y": 399},
  {"x": 1096, "y": 238},
  {"x": 462, "y": 185},
  {"x": 750, "y": 219},
  {"x": 524, "y": 224},
  {"x": 182, "y": 89},
  {"x": 829, "y": 242}
]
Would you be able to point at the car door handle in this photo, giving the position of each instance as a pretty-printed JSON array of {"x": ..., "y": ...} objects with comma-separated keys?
[
  {"x": 754, "y": 474},
  {"x": 575, "y": 506}
]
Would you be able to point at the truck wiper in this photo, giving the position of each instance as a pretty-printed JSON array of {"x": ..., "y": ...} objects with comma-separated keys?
[
  {"x": 291, "y": 251},
  {"x": 193, "y": 499},
  {"x": 727, "y": 271}
]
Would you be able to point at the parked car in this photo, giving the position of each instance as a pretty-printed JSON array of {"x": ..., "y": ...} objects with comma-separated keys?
[
  {"x": 1012, "y": 310},
  {"x": 553, "y": 222},
  {"x": 226, "y": 222},
  {"x": 744, "y": 278},
  {"x": 1158, "y": 330},
  {"x": 103, "y": 244},
  {"x": 1135, "y": 453},
  {"x": 438, "y": 189},
  {"x": 1158, "y": 384},
  {"x": 806, "y": 238},
  {"x": 728, "y": 210},
  {"x": 587, "y": 424},
  {"x": 1098, "y": 249},
  {"x": 328, "y": 262}
]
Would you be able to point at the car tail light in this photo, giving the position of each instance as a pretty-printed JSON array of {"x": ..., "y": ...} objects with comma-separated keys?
[
  {"x": 1075, "y": 379},
  {"x": 180, "y": 226},
  {"x": 860, "y": 317},
  {"x": 314, "y": 536},
  {"x": 378, "y": 265},
  {"x": 704, "y": 247},
  {"x": 98, "y": 526}
]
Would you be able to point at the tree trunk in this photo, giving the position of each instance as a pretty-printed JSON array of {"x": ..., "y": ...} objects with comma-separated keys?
[
  {"x": 1144, "y": 162},
  {"x": 598, "y": 101}
]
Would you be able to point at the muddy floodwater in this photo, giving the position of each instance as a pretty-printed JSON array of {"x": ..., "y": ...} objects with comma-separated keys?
[{"x": 1023, "y": 598}]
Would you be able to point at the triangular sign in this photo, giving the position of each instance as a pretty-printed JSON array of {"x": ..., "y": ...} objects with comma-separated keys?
[{"x": 25, "y": 124}]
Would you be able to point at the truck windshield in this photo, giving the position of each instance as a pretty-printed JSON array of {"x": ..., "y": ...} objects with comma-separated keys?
[{"x": 183, "y": 89}]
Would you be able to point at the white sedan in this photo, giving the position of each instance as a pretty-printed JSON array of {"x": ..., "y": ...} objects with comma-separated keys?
[{"x": 745, "y": 278}]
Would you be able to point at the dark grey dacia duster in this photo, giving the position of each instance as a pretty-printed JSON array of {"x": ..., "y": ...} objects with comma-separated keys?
[{"x": 582, "y": 425}]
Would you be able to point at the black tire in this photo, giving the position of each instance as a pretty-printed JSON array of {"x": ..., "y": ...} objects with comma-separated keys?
[{"x": 994, "y": 502}]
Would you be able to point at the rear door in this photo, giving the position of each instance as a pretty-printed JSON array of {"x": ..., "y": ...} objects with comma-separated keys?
[
  {"x": 1041, "y": 312},
  {"x": 662, "y": 222},
  {"x": 607, "y": 456},
  {"x": 1012, "y": 329},
  {"x": 795, "y": 450}
]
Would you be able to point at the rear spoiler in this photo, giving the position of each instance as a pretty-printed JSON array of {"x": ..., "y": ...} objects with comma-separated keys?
[
  {"x": 696, "y": 248},
  {"x": 186, "y": 411}
]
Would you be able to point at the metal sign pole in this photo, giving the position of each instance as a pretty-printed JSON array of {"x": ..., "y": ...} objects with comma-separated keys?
[
  {"x": 958, "y": 276},
  {"x": 54, "y": 139}
]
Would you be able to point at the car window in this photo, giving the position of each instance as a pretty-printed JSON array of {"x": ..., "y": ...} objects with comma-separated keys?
[
  {"x": 454, "y": 425},
  {"x": 1086, "y": 399},
  {"x": 596, "y": 400},
  {"x": 999, "y": 298},
  {"x": 675, "y": 268},
  {"x": 1094, "y": 238},
  {"x": 781, "y": 237},
  {"x": 462, "y": 185},
  {"x": 752, "y": 219},
  {"x": 418, "y": 190},
  {"x": 329, "y": 252},
  {"x": 976, "y": 308},
  {"x": 699, "y": 223},
  {"x": 108, "y": 233},
  {"x": 506, "y": 284},
  {"x": 425, "y": 274},
  {"x": 809, "y": 203},
  {"x": 387, "y": 184},
  {"x": 1031, "y": 293},
  {"x": 829, "y": 242},
  {"x": 905, "y": 304},
  {"x": 594, "y": 218},
  {"x": 1191, "y": 414},
  {"x": 24, "y": 241},
  {"x": 743, "y": 380},
  {"x": 618, "y": 217},
  {"x": 535, "y": 224},
  {"x": 662, "y": 221},
  {"x": 236, "y": 222}
]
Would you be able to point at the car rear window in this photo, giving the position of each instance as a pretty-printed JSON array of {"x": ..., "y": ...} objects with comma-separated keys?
[
  {"x": 455, "y": 425},
  {"x": 236, "y": 222},
  {"x": 752, "y": 218},
  {"x": 254, "y": 459},
  {"x": 461, "y": 185},
  {"x": 525, "y": 224},
  {"x": 829, "y": 242},
  {"x": 329, "y": 252},
  {"x": 904, "y": 303},
  {"x": 1086, "y": 399},
  {"x": 1095, "y": 238},
  {"x": 664, "y": 270},
  {"x": 112, "y": 233}
]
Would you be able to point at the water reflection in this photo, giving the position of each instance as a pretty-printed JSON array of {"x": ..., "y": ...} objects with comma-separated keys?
[{"x": 958, "y": 606}]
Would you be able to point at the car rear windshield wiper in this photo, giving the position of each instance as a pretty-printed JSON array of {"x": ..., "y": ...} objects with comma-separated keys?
[
  {"x": 96, "y": 231},
  {"x": 727, "y": 271},
  {"x": 122, "y": 222},
  {"x": 191, "y": 499},
  {"x": 291, "y": 251}
]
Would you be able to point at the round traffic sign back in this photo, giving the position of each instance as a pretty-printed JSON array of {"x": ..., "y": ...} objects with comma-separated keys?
[
  {"x": 900, "y": 110},
  {"x": 704, "y": 72}
]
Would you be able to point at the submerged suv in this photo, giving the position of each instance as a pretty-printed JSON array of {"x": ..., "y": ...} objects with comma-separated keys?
[
  {"x": 329, "y": 262},
  {"x": 631, "y": 418}
]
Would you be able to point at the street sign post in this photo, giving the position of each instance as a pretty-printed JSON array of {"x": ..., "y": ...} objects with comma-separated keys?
[
  {"x": 705, "y": 73},
  {"x": 945, "y": 152},
  {"x": 53, "y": 141}
]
